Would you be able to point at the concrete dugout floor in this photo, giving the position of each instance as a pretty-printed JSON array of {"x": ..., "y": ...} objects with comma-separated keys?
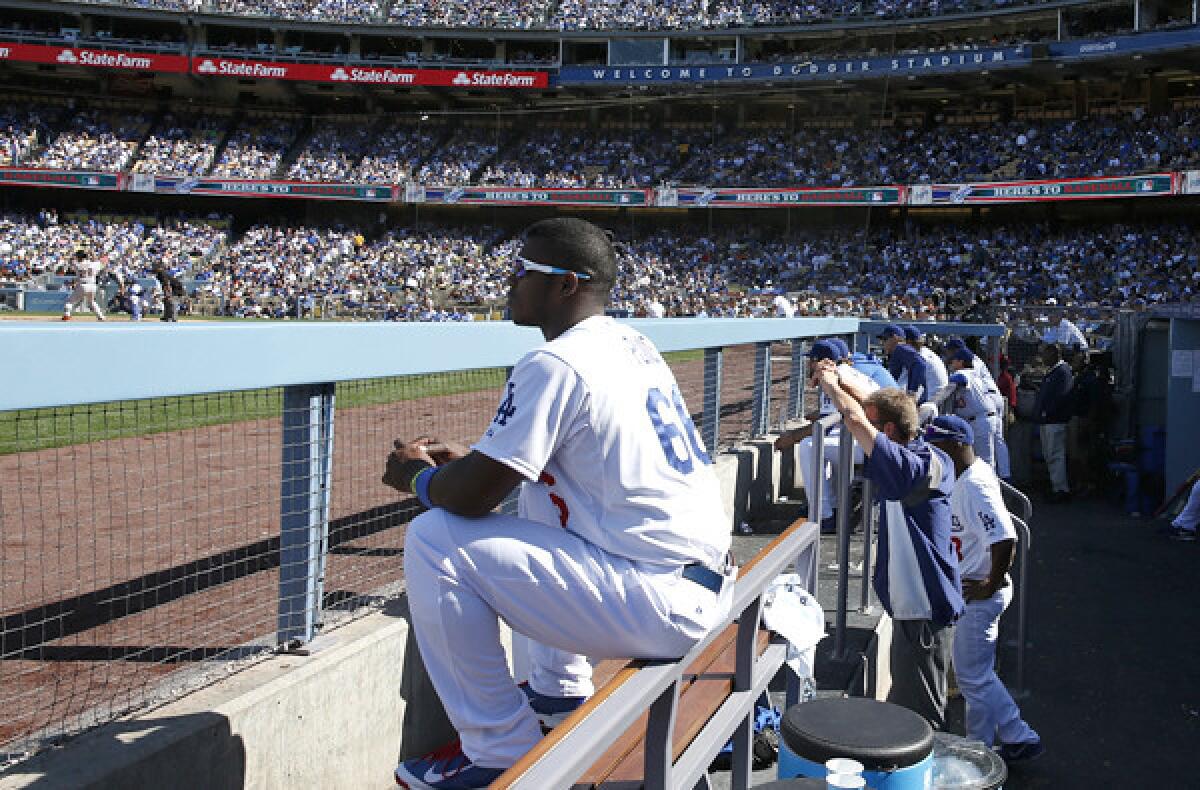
[{"x": 1114, "y": 641}]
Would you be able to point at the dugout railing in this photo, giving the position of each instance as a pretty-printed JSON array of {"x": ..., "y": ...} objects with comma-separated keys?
[{"x": 179, "y": 500}]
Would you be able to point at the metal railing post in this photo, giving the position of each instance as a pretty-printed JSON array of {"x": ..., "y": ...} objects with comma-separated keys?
[
  {"x": 711, "y": 426},
  {"x": 1024, "y": 536},
  {"x": 761, "y": 413},
  {"x": 1022, "y": 511},
  {"x": 304, "y": 508},
  {"x": 660, "y": 727},
  {"x": 845, "y": 473},
  {"x": 795, "y": 405},
  {"x": 868, "y": 522}
]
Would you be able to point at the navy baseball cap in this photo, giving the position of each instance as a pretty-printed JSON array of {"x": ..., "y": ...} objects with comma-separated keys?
[
  {"x": 823, "y": 349},
  {"x": 963, "y": 354},
  {"x": 891, "y": 330},
  {"x": 956, "y": 342},
  {"x": 912, "y": 334},
  {"x": 842, "y": 349},
  {"x": 949, "y": 428}
]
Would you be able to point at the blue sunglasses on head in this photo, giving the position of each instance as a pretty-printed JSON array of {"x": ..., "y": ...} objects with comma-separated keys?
[{"x": 524, "y": 266}]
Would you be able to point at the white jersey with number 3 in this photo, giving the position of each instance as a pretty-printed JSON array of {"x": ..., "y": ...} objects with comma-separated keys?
[
  {"x": 595, "y": 421},
  {"x": 978, "y": 519}
]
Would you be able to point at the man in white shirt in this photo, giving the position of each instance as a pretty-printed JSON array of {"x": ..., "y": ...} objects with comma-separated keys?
[
  {"x": 784, "y": 307},
  {"x": 84, "y": 295},
  {"x": 1066, "y": 334},
  {"x": 620, "y": 546},
  {"x": 983, "y": 535}
]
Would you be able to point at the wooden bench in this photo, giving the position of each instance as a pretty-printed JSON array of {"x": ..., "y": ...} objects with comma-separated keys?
[{"x": 659, "y": 724}]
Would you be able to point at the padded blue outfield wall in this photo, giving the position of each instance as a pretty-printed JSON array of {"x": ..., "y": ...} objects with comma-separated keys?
[{"x": 107, "y": 361}]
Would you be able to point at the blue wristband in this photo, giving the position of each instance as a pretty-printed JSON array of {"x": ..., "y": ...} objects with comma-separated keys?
[{"x": 421, "y": 485}]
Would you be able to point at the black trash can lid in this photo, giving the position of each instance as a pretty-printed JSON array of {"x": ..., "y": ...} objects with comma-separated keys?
[
  {"x": 880, "y": 735},
  {"x": 794, "y": 784}
]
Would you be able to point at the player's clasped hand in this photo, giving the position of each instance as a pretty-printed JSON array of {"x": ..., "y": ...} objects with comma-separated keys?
[
  {"x": 407, "y": 458},
  {"x": 824, "y": 369}
]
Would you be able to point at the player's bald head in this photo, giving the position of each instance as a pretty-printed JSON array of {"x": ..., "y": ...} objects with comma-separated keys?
[{"x": 574, "y": 244}]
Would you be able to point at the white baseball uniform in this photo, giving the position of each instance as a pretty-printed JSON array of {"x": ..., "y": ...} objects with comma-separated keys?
[
  {"x": 973, "y": 404},
  {"x": 936, "y": 376},
  {"x": 84, "y": 294},
  {"x": 813, "y": 469},
  {"x": 620, "y": 497},
  {"x": 980, "y": 519},
  {"x": 1000, "y": 407}
]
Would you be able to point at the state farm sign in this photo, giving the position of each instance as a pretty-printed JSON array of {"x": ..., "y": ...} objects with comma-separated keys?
[
  {"x": 366, "y": 75},
  {"x": 93, "y": 58}
]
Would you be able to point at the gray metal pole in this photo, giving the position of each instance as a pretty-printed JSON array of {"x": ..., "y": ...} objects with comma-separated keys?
[
  {"x": 798, "y": 380},
  {"x": 1024, "y": 535},
  {"x": 868, "y": 522},
  {"x": 845, "y": 472},
  {"x": 761, "y": 413},
  {"x": 711, "y": 416},
  {"x": 304, "y": 508}
]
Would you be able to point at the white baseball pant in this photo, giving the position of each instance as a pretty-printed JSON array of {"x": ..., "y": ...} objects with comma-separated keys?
[
  {"x": 84, "y": 296},
  {"x": 822, "y": 471},
  {"x": 465, "y": 575},
  {"x": 1003, "y": 468},
  {"x": 985, "y": 438},
  {"x": 991, "y": 712}
]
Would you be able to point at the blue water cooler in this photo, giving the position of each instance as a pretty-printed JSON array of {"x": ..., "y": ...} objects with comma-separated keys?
[{"x": 894, "y": 744}]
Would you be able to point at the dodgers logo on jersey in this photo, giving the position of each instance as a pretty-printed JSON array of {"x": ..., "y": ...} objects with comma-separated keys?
[
  {"x": 989, "y": 522},
  {"x": 506, "y": 409}
]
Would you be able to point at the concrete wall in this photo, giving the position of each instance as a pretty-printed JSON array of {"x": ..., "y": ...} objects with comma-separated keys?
[{"x": 337, "y": 718}]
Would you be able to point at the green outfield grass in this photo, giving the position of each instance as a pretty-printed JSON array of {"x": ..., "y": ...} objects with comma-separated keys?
[{"x": 39, "y": 429}]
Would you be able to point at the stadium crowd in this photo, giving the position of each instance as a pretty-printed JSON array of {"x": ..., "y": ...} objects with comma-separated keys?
[
  {"x": 45, "y": 244},
  {"x": 897, "y": 272},
  {"x": 92, "y": 140},
  {"x": 180, "y": 146},
  {"x": 579, "y": 14},
  {"x": 611, "y": 155},
  {"x": 255, "y": 150}
]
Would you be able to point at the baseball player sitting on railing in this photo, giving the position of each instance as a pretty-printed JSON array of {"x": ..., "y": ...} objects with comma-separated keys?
[{"x": 620, "y": 546}]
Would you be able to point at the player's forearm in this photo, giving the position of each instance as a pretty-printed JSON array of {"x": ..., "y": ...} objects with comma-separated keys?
[
  {"x": 473, "y": 486},
  {"x": 1003, "y": 554},
  {"x": 853, "y": 416},
  {"x": 852, "y": 389}
]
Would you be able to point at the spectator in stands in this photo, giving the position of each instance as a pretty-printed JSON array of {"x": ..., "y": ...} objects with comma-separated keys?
[
  {"x": 648, "y": 541},
  {"x": 1052, "y": 410},
  {"x": 916, "y": 573}
]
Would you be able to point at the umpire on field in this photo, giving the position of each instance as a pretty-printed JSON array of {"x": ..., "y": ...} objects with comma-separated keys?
[
  {"x": 619, "y": 548},
  {"x": 916, "y": 573}
]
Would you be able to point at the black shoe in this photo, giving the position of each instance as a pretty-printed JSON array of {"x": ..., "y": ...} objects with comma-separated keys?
[
  {"x": 1020, "y": 752},
  {"x": 829, "y": 525}
]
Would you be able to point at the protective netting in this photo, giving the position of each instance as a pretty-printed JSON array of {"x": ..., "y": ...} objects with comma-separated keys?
[{"x": 140, "y": 541}]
